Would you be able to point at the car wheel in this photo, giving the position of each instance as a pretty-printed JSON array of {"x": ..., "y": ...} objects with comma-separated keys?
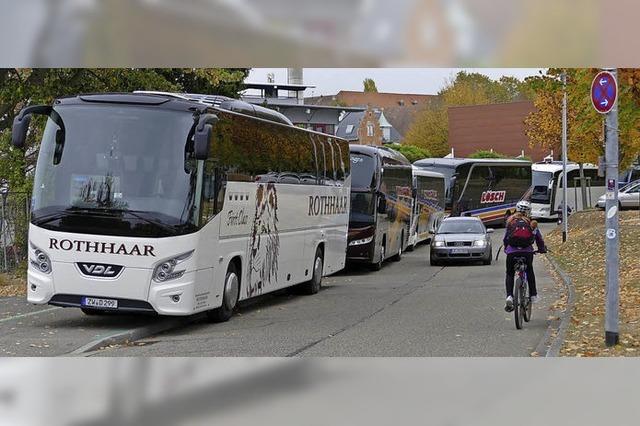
[
  {"x": 230, "y": 295},
  {"x": 433, "y": 261},
  {"x": 487, "y": 261}
]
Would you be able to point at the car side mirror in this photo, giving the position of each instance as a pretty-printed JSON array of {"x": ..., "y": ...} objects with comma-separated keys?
[
  {"x": 203, "y": 135},
  {"x": 382, "y": 204},
  {"x": 490, "y": 230}
]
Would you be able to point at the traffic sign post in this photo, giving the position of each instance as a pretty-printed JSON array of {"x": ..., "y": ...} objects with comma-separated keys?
[{"x": 604, "y": 92}]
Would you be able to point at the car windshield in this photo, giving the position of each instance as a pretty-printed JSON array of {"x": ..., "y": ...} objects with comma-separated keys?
[
  {"x": 461, "y": 227},
  {"x": 125, "y": 166}
]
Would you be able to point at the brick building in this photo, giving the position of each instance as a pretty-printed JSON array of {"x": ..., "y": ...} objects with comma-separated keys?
[{"x": 497, "y": 126}]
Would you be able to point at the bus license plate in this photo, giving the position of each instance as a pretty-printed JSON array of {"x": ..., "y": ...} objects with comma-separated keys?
[
  {"x": 100, "y": 303},
  {"x": 458, "y": 251}
]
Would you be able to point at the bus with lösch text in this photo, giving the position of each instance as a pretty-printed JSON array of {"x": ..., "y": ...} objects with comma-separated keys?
[
  {"x": 381, "y": 205},
  {"x": 485, "y": 188},
  {"x": 428, "y": 205},
  {"x": 177, "y": 204}
]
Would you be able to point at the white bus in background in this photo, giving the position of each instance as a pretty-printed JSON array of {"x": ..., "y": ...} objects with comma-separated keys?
[
  {"x": 546, "y": 195},
  {"x": 178, "y": 204},
  {"x": 428, "y": 204}
]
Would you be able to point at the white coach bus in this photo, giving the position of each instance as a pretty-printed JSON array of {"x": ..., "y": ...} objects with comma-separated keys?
[
  {"x": 178, "y": 204},
  {"x": 546, "y": 195}
]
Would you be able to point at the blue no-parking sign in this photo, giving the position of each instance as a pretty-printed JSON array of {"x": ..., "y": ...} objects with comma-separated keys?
[{"x": 604, "y": 91}]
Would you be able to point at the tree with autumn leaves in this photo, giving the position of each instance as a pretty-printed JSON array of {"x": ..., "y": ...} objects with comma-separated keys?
[{"x": 585, "y": 129}]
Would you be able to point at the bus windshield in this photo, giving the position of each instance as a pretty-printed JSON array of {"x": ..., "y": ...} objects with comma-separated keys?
[
  {"x": 362, "y": 207},
  {"x": 363, "y": 171},
  {"x": 125, "y": 166},
  {"x": 540, "y": 184}
]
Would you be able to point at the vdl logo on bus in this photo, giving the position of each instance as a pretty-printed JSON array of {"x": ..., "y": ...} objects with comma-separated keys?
[{"x": 493, "y": 197}]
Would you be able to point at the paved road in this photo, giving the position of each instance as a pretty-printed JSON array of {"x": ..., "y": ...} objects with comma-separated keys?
[{"x": 407, "y": 309}]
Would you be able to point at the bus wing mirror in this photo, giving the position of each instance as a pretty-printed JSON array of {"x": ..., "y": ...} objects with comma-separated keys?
[
  {"x": 19, "y": 130},
  {"x": 202, "y": 136},
  {"x": 382, "y": 204},
  {"x": 21, "y": 123}
]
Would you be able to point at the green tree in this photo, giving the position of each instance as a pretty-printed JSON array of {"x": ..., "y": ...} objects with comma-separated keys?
[
  {"x": 487, "y": 154},
  {"x": 369, "y": 86},
  {"x": 22, "y": 87},
  {"x": 413, "y": 153}
]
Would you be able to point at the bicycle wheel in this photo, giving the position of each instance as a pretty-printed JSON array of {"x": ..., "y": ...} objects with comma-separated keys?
[
  {"x": 518, "y": 312},
  {"x": 526, "y": 302}
]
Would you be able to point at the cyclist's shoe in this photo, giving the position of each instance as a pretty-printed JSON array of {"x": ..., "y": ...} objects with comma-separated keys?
[
  {"x": 534, "y": 299},
  {"x": 509, "y": 304}
]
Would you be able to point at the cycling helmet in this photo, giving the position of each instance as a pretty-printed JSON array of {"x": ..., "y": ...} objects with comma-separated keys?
[{"x": 524, "y": 207}]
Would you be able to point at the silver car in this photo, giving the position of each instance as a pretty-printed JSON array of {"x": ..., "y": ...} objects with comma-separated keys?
[
  {"x": 461, "y": 239},
  {"x": 628, "y": 196}
]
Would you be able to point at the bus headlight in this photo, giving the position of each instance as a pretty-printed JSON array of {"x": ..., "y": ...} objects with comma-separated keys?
[
  {"x": 165, "y": 270},
  {"x": 39, "y": 259},
  {"x": 479, "y": 243},
  {"x": 361, "y": 241}
]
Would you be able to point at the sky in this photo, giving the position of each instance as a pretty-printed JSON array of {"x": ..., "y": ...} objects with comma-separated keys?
[{"x": 329, "y": 81}]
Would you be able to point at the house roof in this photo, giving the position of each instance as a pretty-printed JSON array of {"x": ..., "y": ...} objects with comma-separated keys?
[{"x": 348, "y": 127}]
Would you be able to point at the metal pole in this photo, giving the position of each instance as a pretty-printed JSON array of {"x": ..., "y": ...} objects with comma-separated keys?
[
  {"x": 612, "y": 237},
  {"x": 3, "y": 229},
  {"x": 565, "y": 218}
]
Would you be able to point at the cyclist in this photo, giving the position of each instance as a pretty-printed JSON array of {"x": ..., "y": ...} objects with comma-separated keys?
[{"x": 521, "y": 232}]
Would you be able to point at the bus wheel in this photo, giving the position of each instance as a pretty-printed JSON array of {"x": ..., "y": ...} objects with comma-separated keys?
[
  {"x": 378, "y": 265},
  {"x": 230, "y": 295},
  {"x": 398, "y": 256},
  {"x": 313, "y": 285}
]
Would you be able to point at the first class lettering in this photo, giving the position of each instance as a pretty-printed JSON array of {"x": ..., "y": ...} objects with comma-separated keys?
[
  {"x": 104, "y": 248},
  {"x": 327, "y": 204},
  {"x": 493, "y": 197}
]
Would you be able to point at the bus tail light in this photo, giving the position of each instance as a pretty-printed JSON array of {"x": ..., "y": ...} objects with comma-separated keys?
[{"x": 165, "y": 270}]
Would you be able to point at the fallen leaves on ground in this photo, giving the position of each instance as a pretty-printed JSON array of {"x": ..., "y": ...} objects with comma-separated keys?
[
  {"x": 12, "y": 285},
  {"x": 583, "y": 258}
]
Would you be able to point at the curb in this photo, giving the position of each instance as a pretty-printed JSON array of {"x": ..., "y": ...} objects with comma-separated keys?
[
  {"x": 132, "y": 335},
  {"x": 556, "y": 342}
]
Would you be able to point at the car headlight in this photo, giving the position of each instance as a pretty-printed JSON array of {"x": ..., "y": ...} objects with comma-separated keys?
[
  {"x": 39, "y": 259},
  {"x": 361, "y": 241},
  {"x": 438, "y": 244},
  {"x": 479, "y": 243},
  {"x": 165, "y": 270}
]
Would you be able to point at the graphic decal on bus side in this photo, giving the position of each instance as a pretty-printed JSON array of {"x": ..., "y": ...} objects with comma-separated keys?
[
  {"x": 264, "y": 240},
  {"x": 493, "y": 197}
]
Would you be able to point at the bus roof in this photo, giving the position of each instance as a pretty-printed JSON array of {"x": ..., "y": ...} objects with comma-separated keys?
[
  {"x": 417, "y": 171},
  {"x": 183, "y": 101},
  {"x": 382, "y": 151},
  {"x": 455, "y": 162}
]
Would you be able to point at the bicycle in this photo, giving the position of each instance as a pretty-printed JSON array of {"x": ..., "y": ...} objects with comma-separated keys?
[{"x": 522, "y": 305}]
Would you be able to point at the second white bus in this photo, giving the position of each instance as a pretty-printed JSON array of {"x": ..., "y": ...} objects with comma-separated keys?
[{"x": 546, "y": 195}]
